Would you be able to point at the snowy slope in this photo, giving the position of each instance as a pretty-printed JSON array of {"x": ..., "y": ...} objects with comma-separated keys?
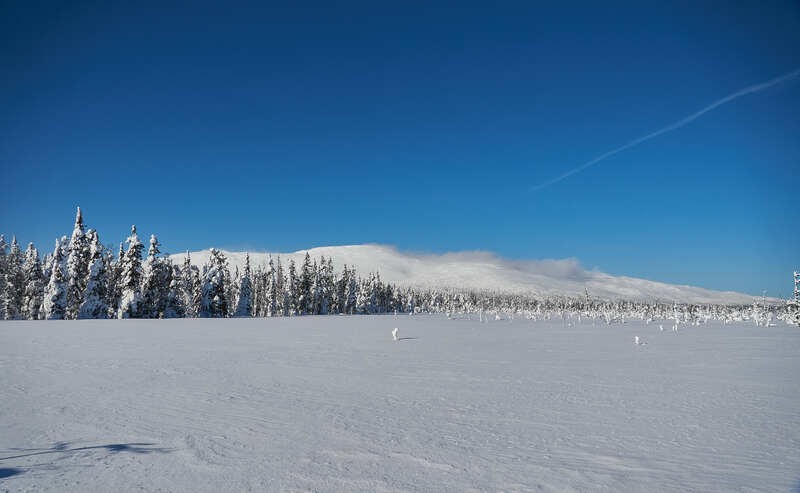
[
  {"x": 482, "y": 270},
  {"x": 332, "y": 404}
]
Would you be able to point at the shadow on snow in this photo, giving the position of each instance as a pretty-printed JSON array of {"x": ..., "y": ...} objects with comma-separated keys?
[
  {"x": 7, "y": 472},
  {"x": 64, "y": 448}
]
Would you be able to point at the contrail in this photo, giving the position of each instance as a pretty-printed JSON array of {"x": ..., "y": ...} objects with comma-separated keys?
[{"x": 684, "y": 121}]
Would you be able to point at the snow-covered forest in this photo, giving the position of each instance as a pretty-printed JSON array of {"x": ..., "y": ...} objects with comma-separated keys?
[{"x": 82, "y": 279}]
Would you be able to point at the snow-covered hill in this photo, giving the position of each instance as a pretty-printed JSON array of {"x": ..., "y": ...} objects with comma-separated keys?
[{"x": 486, "y": 271}]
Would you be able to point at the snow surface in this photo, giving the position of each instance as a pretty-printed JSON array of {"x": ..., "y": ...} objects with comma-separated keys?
[
  {"x": 483, "y": 270},
  {"x": 334, "y": 404}
]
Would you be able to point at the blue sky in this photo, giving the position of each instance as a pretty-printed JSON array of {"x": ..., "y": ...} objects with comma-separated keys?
[{"x": 421, "y": 125}]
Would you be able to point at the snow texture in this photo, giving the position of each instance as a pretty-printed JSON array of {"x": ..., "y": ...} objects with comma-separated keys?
[
  {"x": 486, "y": 271},
  {"x": 333, "y": 404}
]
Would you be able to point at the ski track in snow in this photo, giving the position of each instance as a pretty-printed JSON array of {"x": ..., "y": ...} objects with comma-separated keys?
[{"x": 333, "y": 404}]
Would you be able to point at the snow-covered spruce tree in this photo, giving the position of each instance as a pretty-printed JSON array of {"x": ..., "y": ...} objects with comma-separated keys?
[
  {"x": 262, "y": 292},
  {"x": 244, "y": 305},
  {"x": 196, "y": 306},
  {"x": 258, "y": 283},
  {"x": 280, "y": 287},
  {"x": 410, "y": 302},
  {"x": 47, "y": 266},
  {"x": 14, "y": 280},
  {"x": 363, "y": 296},
  {"x": 95, "y": 302},
  {"x": 188, "y": 288},
  {"x": 63, "y": 246},
  {"x": 337, "y": 299},
  {"x": 232, "y": 289},
  {"x": 77, "y": 267},
  {"x": 34, "y": 284},
  {"x": 352, "y": 292},
  {"x": 156, "y": 278},
  {"x": 3, "y": 264},
  {"x": 315, "y": 293},
  {"x": 379, "y": 294},
  {"x": 214, "y": 302},
  {"x": 174, "y": 306},
  {"x": 55, "y": 295},
  {"x": 272, "y": 298},
  {"x": 291, "y": 304},
  {"x": 328, "y": 286},
  {"x": 114, "y": 287},
  {"x": 131, "y": 278},
  {"x": 794, "y": 303},
  {"x": 303, "y": 293}
]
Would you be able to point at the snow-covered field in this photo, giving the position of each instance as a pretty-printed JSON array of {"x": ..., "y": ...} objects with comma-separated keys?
[{"x": 333, "y": 404}]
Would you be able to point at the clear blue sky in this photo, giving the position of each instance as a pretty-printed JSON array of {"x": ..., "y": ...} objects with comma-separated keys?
[{"x": 252, "y": 126}]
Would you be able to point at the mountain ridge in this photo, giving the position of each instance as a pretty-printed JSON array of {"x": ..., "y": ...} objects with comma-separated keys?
[{"x": 482, "y": 270}]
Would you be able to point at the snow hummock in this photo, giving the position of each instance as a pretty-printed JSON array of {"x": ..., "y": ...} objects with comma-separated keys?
[
  {"x": 331, "y": 404},
  {"x": 487, "y": 271}
]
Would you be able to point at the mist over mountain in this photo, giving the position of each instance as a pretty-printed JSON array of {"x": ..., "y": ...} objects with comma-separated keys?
[{"x": 480, "y": 270}]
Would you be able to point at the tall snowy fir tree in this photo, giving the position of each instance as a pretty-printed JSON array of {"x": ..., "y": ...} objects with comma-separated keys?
[
  {"x": 189, "y": 288},
  {"x": 292, "y": 306},
  {"x": 34, "y": 284},
  {"x": 364, "y": 303},
  {"x": 279, "y": 288},
  {"x": 273, "y": 291},
  {"x": 156, "y": 278},
  {"x": 131, "y": 279},
  {"x": 95, "y": 303},
  {"x": 337, "y": 297},
  {"x": 304, "y": 296},
  {"x": 214, "y": 302},
  {"x": 232, "y": 289},
  {"x": 794, "y": 303},
  {"x": 259, "y": 292},
  {"x": 174, "y": 306},
  {"x": 3, "y": 265},
  {"x": 244, "y": 305},
  {"x": 77, "y": 267},
  {"x": 14, "y": 280},
  {"x": 328, "y": 283},
  {"x": 114, "y": 287},
  {"x": 317, "y": 288},
  {"x": 196, "y": 302},
  {"x": 55, "y": 296}
]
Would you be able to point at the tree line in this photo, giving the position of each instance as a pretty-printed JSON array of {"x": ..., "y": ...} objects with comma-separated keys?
[{"x": 82, "y": 279}]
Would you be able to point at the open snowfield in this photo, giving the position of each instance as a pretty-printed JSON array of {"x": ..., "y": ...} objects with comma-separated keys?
[{"x": 333, "y": 404}]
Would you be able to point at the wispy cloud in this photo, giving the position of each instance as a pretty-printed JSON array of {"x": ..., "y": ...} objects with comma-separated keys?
[{"x": 672, "y": 126}]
